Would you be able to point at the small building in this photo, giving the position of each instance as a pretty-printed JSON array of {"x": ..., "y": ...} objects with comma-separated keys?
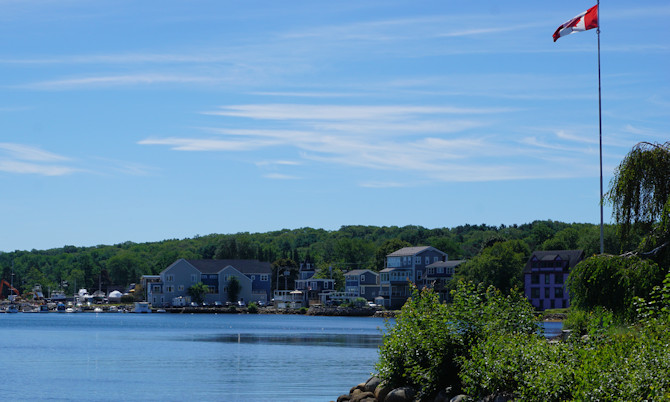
[
  {"x": 311, "y": 287},
  {"x": 545, "y": 275},
  {"x": 362, "y": 283}
]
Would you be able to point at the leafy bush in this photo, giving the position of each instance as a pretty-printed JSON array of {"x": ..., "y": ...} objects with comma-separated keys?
[
  {"x": 523, "y": 365},
  {"x": 430, "y": 340},
  {"x": 127, "y": 299},
  {"x": 252, "y": 308}
]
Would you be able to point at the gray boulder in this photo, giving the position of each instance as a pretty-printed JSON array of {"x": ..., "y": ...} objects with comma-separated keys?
[
  {"x": 382, "y": 390},
  {"x": 402, "y": 394},
  {"x": 344, "y": 398},
  {"x": 372, "y": 384},
  {"x": 363, "y": 397}
]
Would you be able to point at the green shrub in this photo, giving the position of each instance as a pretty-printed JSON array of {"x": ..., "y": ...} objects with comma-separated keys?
[
  {"x": 428, "y": 341},
  {"x": 127, "y": 299},
  {"x": 523, "y": 365},
  {"x": 252, "y": 308},
  {"x": 303, "y": 310}
]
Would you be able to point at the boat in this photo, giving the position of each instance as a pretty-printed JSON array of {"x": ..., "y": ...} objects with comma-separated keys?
[
  {"x": 113, "y": 309},
  {"x": 12, "y": 308},
  {"x": 57, "y": 296},
  {"x": 97, "y": 310},
  {"x": 141, "y": 307},
  {"x": 60, "y": 308},
  {"x": 44, "y": 308}
]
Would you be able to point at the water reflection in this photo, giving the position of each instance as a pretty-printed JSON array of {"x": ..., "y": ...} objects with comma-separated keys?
[{"x": 334, "y": 340}]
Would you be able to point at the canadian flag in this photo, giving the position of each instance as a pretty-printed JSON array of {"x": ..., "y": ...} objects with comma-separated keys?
[{"x": 583, "y": 22}]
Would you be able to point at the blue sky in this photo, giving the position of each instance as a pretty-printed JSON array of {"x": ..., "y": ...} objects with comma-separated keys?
[{"x": 150, "y": 120}]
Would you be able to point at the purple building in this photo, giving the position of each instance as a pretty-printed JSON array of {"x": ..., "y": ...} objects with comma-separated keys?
[{"x": 545, "y": 276}]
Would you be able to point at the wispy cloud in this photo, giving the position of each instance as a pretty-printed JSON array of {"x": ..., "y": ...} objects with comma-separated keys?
[
  {"x": 342, "y": 112},
  {"x": 24, "y": 159},
  {"x": 434, "y": 143},
  {"x": 279, "y": 176},
  {"x": 118, "y": 80}
]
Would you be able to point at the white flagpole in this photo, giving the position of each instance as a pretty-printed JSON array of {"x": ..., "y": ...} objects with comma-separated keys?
[{"x": 600, "y": 130}]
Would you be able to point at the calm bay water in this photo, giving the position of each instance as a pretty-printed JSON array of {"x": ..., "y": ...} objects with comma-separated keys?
[{"x": 171, "y": 357}]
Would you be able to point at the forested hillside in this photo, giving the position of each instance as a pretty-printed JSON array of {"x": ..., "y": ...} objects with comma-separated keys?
[{"x": 350, "y": 247}]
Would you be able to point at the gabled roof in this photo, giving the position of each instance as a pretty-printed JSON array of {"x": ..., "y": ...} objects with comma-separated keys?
[
  {"x": 572, "y": 256},
  {"x": 359, "y": 272},
  {"x": 410, "y": 251},
  {"x": 244, "y": 266}
]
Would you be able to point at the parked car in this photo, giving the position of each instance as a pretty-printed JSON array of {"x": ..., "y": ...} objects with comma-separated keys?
[
  {"x": 218, "y": 304},
  {"x": 194, "y": 304},
  {"x": 241, "y": 303}
]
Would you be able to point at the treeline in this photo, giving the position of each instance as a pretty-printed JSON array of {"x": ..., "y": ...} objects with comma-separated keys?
[{"x": 350, "y": 247}]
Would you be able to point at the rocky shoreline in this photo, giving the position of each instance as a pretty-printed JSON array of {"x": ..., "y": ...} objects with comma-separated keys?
[{"x": 375, "y": 390}]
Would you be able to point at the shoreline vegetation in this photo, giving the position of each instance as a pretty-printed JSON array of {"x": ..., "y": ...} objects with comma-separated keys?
[{"x": 485, "y": 346}]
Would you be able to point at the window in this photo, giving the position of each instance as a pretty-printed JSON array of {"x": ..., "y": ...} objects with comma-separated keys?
[
  {"x": 435, "y": 259},
  {"x": 535, "y": 279},
  {"x": 362, "y": 278},
  {"x": 558, "y": 278},
  {"x": 431, "y": 271},
  {"x": 440, "y": 270},
  {"x": 427, "y": 260},
  {"x": 547, "y": 292},
  {"x": 170, "y": 289},
  {"x": 558, "y": 293},
  {"x": 194, "y": 278},
  {"x": 417, "y": 260},
  {"x": 547, "y": 279},
  {"x": 418, "y": 275},
  {"x": 253, "y": 277},
  {"x": 385, "y": 277},
  {"x": 264, "y": 277},
  {"x": 180, "y": 288},
  {"x": 169, "y": 278},
  {"x": 534, "y": 293}
]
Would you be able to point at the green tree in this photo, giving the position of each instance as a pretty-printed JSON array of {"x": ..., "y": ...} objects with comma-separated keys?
[
  {"x": 233, "y": 288},
  {"x": 640, "y": 197},
  {"x": 565, "y": 239},
  {"x": 387, "y": 248},
  {"x": 612, "y": 282},
  {"x": 198, "y": 292},
  {"x": 500, "y": 265},
  {"x": 641, "y": 185}
]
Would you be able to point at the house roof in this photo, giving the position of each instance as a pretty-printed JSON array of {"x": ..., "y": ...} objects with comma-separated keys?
[
  {"x": 409, "y": 251},
  {"x": 446, "y": 264},
  {"x": 244, "y": 266},
  {"x": 358, "y": 272},
  {"x": 572, "y": 256}
]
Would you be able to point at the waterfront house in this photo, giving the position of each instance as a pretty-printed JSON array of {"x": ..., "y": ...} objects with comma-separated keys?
[
  {"x": 409, "y": 264},
  {"x": 362, "y": 283},
  {"x": 439, "y": 273},
  {"x": 252, "y": 275},
  {"x": 310, "y": 286},
  {"x": 545, "y": 275}
]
